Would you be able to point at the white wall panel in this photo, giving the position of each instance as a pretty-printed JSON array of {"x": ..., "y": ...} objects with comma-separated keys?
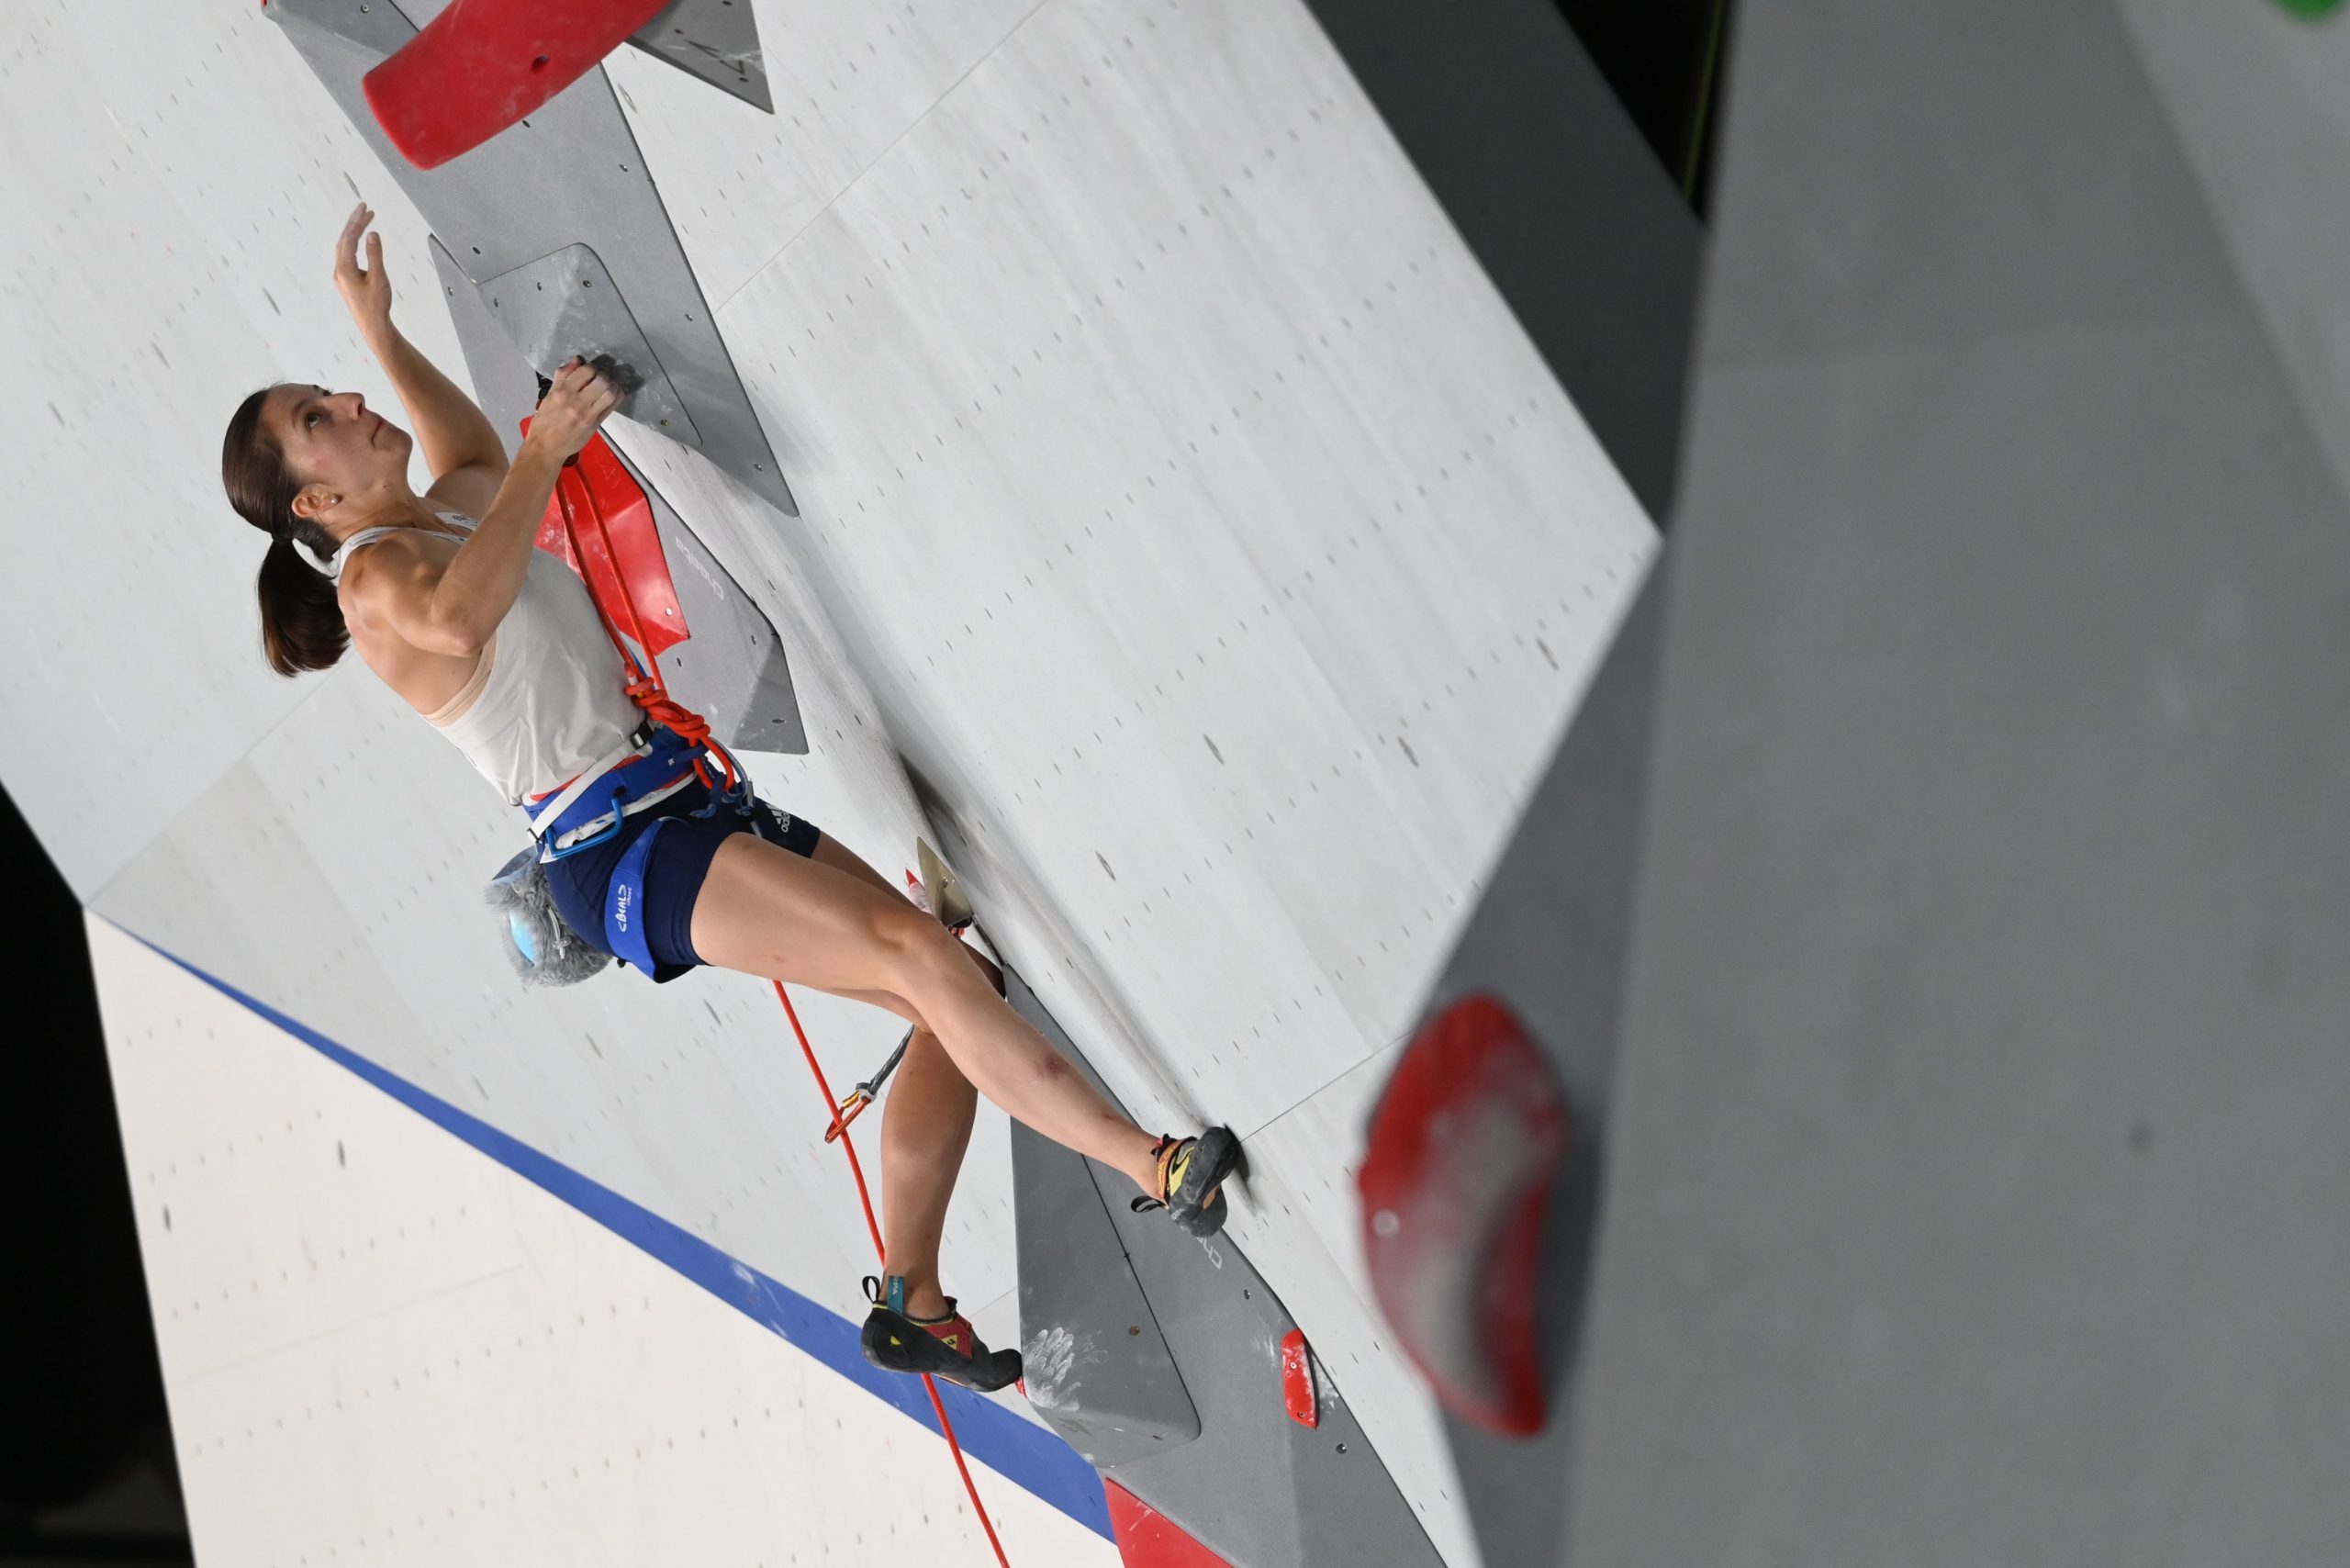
[
  {"x": 174, "y": 181},
  {"x": 381, "y": 1346},
  {"x": 847, "y": 82}
]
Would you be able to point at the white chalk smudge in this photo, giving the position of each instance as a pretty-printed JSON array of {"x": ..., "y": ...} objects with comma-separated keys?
[{"x": 1046, "y": 1361}]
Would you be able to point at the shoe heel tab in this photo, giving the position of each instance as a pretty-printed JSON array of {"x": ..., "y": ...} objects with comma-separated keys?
[{"x": 888, "y": 1291}]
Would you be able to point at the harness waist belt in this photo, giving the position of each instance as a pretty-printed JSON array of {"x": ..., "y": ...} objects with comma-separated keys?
[{"x": 613, "y": 788}]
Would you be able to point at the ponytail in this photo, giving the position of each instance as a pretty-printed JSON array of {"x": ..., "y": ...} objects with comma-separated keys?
[{"x": 301, "y": 621}]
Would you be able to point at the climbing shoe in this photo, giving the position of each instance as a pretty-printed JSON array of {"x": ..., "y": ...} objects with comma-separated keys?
[
  {"x": 943, "y": 1347},
  {"x": 1191, "y": 1179}
]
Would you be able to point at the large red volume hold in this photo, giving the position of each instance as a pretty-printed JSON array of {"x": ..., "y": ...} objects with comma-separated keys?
[
  {"x": 1147, "y": 1539},
  {"x": 601, "y": 481},
  {"x": 1463, "y": 1148},
  {"x": 481, "y": 65}
]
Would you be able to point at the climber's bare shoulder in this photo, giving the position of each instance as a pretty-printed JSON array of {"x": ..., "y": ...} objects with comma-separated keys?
[{"x": 386, "y": 597}]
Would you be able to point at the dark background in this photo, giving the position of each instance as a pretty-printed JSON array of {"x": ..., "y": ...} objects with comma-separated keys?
[
  {"x": 86, "y": 1469},
  {"x": 86, "y": 1465}
]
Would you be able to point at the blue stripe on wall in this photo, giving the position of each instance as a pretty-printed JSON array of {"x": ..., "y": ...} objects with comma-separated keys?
[{"x": 1026, "y": 1454}]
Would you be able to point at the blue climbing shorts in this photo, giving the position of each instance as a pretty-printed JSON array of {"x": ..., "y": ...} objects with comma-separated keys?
[{"x": 675, "y": 865}]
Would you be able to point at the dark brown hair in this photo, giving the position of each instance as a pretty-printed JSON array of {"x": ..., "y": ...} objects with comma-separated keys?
[{"x": 301, "y": 621}]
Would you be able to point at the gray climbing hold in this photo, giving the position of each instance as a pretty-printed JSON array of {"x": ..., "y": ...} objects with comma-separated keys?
[{"x": 569, "y": 174}]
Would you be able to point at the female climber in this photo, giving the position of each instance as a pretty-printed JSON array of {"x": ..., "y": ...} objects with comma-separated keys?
[{"x": 498, "y": 646}]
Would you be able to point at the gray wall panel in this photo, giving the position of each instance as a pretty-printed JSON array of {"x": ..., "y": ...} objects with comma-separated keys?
[
  {"x": 2254, "y": 94},
  {"x": 1973, "y": 1197}
]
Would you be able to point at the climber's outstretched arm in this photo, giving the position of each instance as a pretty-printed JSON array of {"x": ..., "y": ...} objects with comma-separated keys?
[{"x": 451, "y": 430}]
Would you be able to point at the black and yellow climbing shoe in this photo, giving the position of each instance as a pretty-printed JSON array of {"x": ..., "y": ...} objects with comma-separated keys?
[
  {"x": 943, "y": 1347},
  {"x": 1191, "y": 1179}
]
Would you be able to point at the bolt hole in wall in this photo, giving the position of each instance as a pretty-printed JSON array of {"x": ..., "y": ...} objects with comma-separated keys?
[{"x": 86, "y": 1450}]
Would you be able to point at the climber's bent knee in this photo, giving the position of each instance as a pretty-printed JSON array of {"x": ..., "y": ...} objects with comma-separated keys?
[
  {"x": 831, "y": 851},
  {"x": 922, "y": 956}
]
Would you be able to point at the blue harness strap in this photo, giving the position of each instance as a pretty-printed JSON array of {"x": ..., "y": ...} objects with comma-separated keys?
[
  {"x": 617, "y": 791},
  {"x": 624, "y": 923},
  {"x": 669, "y": 758}
]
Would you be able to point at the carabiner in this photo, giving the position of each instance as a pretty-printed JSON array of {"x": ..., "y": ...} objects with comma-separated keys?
[
  {"x": 603, "y": 836},
  {"x": 852, "y": 1105}
]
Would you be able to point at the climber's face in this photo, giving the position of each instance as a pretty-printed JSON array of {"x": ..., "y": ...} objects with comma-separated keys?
[{"x": 342, "y": 451}]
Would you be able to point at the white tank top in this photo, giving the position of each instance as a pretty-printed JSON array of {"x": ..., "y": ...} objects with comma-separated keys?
[{"x": 549, "y": 698}]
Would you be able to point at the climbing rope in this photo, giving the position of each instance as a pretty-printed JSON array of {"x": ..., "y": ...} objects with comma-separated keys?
[
  {"x": 930, "y": 1384},
  {"x": 646, "y": 689}
]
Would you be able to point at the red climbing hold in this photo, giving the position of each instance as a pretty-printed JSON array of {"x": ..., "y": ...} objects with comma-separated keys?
[
  {"x": 1463, "y": 1146},
  {"x": 1146, "y": 1537},
  {"x": 601, "y": 484},
  {"x": 1297, "y": 1378},
  {"x": 481, "y": 65}
]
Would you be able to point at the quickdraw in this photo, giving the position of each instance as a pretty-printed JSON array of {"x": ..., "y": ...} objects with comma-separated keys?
[
  {"x": 953, "y": 911},
  {"x": 852, "y": 1105}
]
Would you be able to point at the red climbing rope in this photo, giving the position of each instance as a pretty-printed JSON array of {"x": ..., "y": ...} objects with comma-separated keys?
[
  {"x": 649, "y": 694},
  {"x": 857, "y": 1170}
]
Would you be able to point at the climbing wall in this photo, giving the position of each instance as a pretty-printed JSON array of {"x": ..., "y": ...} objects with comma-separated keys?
[
  {"x": 1338, "y": 599},
  {"x": 1187, "y": 537}
]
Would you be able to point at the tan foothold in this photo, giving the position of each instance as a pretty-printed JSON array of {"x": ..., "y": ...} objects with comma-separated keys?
[{"x": 946, "y": 897}]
